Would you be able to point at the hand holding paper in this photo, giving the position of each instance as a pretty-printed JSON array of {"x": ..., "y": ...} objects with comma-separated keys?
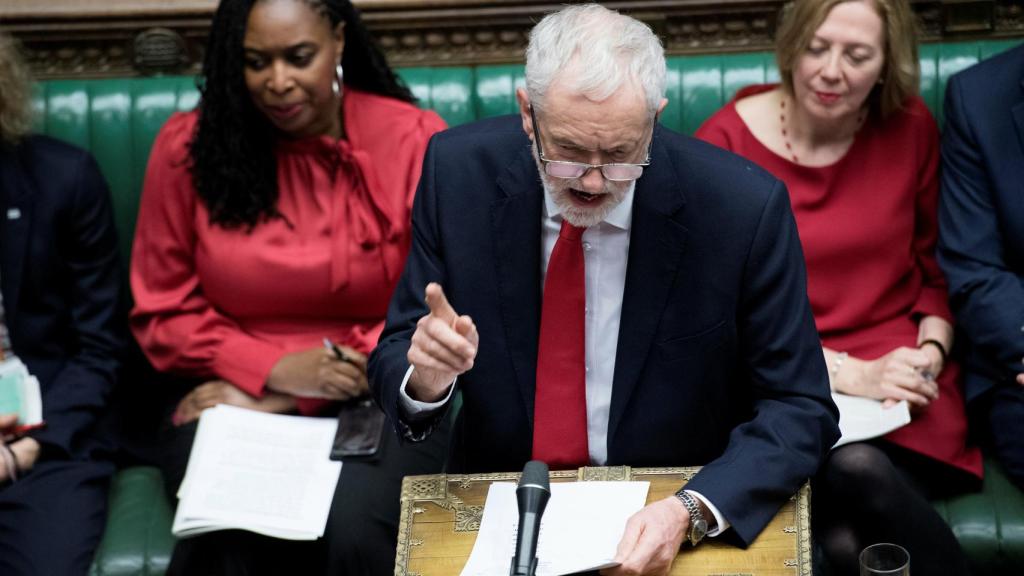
[
  {"x": 864, "y": 418},
  {"x": 20, "y": 396},
  {"x": 652, "y": 539},
  {"x": 581, "y": 529}
]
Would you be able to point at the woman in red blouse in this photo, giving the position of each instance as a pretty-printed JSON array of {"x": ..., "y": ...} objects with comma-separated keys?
[
  {"x": 858, "y": 151},
  {"x": 274, "y": 216}
]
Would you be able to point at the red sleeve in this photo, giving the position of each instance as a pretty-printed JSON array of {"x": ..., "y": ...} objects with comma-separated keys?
[
  {"x": 430, "y": 123},
  {"x": 177, "y": 328},
  {"x": 933, "y": 300}
]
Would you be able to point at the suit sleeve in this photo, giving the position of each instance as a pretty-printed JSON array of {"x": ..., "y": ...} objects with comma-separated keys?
[
  {"x": 177, "y": 327},
  {"x": 388, "y": 364},
  {"x": 986, "y": 294},
  {"x": 76, "y": 397},
  {"x": 794, "y": 422}
]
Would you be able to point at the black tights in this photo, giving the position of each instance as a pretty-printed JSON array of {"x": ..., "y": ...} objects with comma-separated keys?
[{"x": 865, "y": 494}]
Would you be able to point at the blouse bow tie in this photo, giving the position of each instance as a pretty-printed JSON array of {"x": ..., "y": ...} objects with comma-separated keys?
[{"x": 366, "y": 220}]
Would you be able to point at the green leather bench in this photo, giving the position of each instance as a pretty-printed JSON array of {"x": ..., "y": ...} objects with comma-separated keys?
[{"x": 117, "y": 120}]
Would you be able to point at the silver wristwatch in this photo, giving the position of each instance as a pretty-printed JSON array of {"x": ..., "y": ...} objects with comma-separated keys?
[{"x": 698, "y": 525}]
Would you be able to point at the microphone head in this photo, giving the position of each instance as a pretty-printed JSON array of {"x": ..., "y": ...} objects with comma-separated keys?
[{"x": 535, "y": 473}]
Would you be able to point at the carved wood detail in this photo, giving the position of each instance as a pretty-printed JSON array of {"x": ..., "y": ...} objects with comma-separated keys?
[{"x": 108, "y": 38}]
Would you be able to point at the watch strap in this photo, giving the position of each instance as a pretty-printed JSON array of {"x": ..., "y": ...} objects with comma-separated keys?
[{"x": 693, "y": 535}]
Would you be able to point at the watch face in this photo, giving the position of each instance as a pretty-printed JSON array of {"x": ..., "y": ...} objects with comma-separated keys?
[{"x": 697, "y": 530}]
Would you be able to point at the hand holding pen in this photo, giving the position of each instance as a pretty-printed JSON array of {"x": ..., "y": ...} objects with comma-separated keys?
[
  {"x": 329, "y": 371},
  {"x": 337, "y": 352},
  {"x": 350, "y": 357}
]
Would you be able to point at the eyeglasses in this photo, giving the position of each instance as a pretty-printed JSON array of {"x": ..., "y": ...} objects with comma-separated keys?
[{"x": 614, "y": 171}]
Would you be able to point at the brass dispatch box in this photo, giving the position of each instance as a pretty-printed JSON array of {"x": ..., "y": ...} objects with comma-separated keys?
[{"x": 441, "y": 515}]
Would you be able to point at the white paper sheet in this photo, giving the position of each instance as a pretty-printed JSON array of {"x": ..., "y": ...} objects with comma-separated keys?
[
  {"x": 863, "y": 418},
  {"x": 580, "y": 529},
  {"x": 19, "y": 392},
  {"x": 266, "y": 473}
]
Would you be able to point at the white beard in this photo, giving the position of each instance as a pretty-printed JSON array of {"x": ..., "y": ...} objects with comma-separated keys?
[{"x": 581, "y": 216}]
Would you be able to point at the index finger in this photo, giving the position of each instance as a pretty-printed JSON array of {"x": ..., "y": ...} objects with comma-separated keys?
[{"x": 438, "y": 303}]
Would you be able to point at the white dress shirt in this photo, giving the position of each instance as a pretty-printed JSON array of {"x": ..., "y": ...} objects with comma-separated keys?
[{"x": 605, "y": 254}]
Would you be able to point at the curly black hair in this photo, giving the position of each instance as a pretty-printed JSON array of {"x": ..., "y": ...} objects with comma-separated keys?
[{"x": 231, "y": 156}]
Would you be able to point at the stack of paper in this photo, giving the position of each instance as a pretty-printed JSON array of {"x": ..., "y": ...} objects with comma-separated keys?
[
  {"x": 266, "y": 473},
  {"x": 580, "y": 529},
  {"x": 863, "y": 418},
  {"x": 19, "y": 393}
]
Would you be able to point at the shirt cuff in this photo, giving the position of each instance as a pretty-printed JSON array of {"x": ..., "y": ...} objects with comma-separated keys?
[
  {"x": 418, "y": 411},
  {"x": 721, "y": 524}
]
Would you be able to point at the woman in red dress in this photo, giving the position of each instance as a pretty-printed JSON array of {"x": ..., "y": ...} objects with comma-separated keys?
[
  {"x": 858, "y": 151},
  {"x": 275, "y": 215}
]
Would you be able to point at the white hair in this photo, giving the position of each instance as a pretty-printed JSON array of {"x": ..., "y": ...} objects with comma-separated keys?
[{"x": 603, "y": 48}]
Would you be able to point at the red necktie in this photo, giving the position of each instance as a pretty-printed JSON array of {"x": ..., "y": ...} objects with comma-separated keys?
[{"x": 560, "y": 405}]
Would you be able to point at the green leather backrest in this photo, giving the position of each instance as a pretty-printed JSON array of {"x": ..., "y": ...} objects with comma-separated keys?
[{"x": 117, "y": 119}]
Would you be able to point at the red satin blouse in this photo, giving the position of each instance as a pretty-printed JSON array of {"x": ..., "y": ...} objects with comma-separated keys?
[{"x": 217, "y": 303}]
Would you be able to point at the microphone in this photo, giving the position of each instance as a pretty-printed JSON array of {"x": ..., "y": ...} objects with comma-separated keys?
[{"x": 532, "y": 494}]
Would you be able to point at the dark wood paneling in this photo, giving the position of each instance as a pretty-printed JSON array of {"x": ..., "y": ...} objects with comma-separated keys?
[{"x": 97, "y": 38}]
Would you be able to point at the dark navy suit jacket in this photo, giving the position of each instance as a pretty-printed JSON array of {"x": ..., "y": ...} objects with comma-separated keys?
[
  {"x": 61, "y": 282},
  {"x": 981, "y": 215},
  {"x": 718, "y": 360}
]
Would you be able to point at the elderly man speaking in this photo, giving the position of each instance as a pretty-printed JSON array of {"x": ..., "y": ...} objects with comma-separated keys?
[{"x": 605, "y": 291}]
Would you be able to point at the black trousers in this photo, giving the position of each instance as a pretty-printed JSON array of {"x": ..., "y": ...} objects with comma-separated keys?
[
  {"x": 362, "y": 528},
  {"x": 52, "y": 519}
]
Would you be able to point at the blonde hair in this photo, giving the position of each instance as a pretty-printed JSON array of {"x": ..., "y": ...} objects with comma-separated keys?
[
  {"x": 800, "y": 19},
  {"x": 15, "y": 92}
]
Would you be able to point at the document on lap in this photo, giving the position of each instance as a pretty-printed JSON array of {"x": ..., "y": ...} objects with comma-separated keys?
[
  {"x": 266, "y": 473},
  {"x": 19, "y": 394},
  {"x": 580, "y": 530},
  {"x": 864, "y": 418}
]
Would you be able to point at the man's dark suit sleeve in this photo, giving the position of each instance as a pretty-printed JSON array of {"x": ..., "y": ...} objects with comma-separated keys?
[
  {"x": 794, "y": 421},
  {"x": 987, "y": 296},
  {"x": 78, "y": 393},
  {"x": 388, "y": 363}
]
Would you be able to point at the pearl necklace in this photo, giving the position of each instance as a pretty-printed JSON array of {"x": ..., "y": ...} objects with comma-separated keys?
[{"x": 785, "y": 133}]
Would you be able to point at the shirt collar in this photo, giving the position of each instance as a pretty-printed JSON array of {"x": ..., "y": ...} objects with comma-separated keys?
[{"x": 620, "y": 217}]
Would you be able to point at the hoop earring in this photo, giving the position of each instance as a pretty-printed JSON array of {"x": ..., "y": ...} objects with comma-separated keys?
[{"x": 339, "y": 74}]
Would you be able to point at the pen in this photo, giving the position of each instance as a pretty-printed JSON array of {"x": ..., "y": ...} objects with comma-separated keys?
[{"x": 338, "y": 352}]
